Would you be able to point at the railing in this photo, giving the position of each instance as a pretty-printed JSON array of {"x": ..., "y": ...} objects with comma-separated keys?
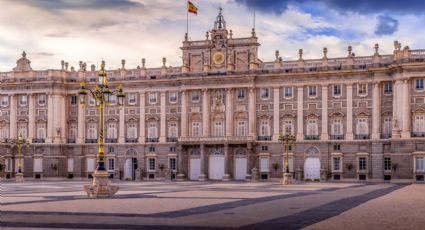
[
  {"x": 71, "y": 141},
  {"x": 264, "y": 138},
  {"x": 131, "y": 140},
  {"x": 337, "y": 137},
  {"x": 361, "y": 136},
  {"x": 417, "y": 134},
  {"x": 311, "y": 137},
  {"x": 111, "y": 140},
  {"x": 88, "y": 141},
  {"x": 38, "y": 140},
  {"x": 152, "y": 139},
  {"x": 172, "y": 139},
  {"x": 386, "y": 136}
]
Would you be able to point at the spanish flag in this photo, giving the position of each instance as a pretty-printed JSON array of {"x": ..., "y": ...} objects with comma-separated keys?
[{"x": 191, "y": 8}]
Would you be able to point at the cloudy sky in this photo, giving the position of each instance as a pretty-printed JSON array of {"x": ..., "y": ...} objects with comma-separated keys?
[{"x": 89, "y": 30}]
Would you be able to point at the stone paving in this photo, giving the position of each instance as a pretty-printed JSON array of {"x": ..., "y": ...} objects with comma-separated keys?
[{"x": 202, "y": 205}]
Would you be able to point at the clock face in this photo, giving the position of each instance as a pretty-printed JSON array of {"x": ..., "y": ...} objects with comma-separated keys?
[{"x": 218, "y": 58}]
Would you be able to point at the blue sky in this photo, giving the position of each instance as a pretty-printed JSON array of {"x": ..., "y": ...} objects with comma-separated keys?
[{"x": 89, "y": 30}]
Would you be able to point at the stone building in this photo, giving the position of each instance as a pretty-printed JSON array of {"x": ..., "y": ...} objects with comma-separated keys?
[{"x": 219, "y": 116}]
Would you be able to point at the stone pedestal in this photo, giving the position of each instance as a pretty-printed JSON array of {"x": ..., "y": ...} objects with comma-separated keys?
[
  {"x": 202, "y": 177},
  {"x": 287, "y": 178},
  {"x": 181, "y": 177},
  {"x": 19, "y": 177},
  {"x": 254, "y": 173},
  {"x": 226, "y": 177},
  {"x": 100, "y": 188}
]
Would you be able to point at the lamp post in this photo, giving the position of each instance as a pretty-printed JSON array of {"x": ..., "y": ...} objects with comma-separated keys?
[
  {"x": 102, "y": 94},
  {"x": 287, "y": 139},
  {"x": 19, "y": 143}
]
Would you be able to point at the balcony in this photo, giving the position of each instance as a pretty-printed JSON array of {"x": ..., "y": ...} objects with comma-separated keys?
[
  {"x": 71, "y": 141},
  {"x": 38, "y": 140},
  {"x": 337, "y": 137},
  {"x": 311, "y": 137},
  {"x": 264, "y": 138},
  {"x": 152, "y": 139},
  {"x": 417, "y": 134},
  {"x": 386, "y": 136},
  {"x": 172, "y": 139},
  {"x": 131, "y": 140},
  {"x": 362, "y": 136},
  {"x": 111, "y": 140},
  {"x": 90, "y": 141}
]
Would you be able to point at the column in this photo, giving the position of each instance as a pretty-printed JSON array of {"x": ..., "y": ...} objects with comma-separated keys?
[
  {"x": 121, "y": 133},
  {"x": 183, "y": 115},
  {"x": 376, "y": 111},
  {"x": 349, "y": 133},
  {"x": 50, "y": 120},
  {"x": 226, "y": 176},
  {"x": 205, "y": 113},
  {"x": 252, "y": 112},
  {"x": 142, "y": 130},
  {"x": 31, "y": 117},
  {"x": 324, "y": 135},
  {"x": 162, "y": 133},
  {"x": 81, "y": 124},
  {"x": 300, "y": 113},
  {"x": 229, "y": 112},
  {"x": 406, "y": 115},
  {"x": 12, "y": 118},
  {"x": 276, "y": 116},
  {"x": 202, "y": 176}
]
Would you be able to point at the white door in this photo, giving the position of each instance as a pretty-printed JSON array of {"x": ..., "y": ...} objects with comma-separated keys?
[
  {"x": 128, "y": 168},
  {"x": 312, "y": 168},
  {"x": 195, "y": 168},
  {"x": 240, "y": 168},
  {"x": 216, "y": 167}
]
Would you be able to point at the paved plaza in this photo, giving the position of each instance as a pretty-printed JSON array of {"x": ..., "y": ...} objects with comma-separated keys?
[{"x": 214, "y": 205}]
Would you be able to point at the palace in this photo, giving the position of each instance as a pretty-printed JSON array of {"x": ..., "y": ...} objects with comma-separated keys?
[{"x": 219, "y": 116}]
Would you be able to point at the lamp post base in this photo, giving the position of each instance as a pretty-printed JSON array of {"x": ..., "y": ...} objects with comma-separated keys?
[
  {"x": 19, "y": 177},
  {"x": 287, "y": 179},
  {"x": 100, "y": 188}
]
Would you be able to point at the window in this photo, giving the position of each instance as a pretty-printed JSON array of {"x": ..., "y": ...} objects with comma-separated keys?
[
  {"x": 152, "y": 130},
  {"x": 312, "y": 91},
  {"x": 132, "y": 130},
  {"x": 264, "y": 148},
  {"x": 362, "y": 126},
  {"x": 362, "y": 163},
  {"x": 336, "y": 127},
  {"x": 173, "y": 164},
  {"x": 132, "y": 99},
  {"x": 419, "y": 124},
  {"x": 172, "y": 97},
  {"x": 288, "y": 125},
  {"x": 288, "y": 92},
  {"x": 264, "y": 128},
  {"x": 387, "y": 127},
  {"x": 419, "y": 163},
  {"x": 241, "y": 94},
  {"x": 337, "y": 90},
  {"x": 111, "y": 130},
  {"x": 41, "y": 98},
  {"x": 111, "y": 164},
  {"x": 73, "y": 99},
  {"x": 196, "y": 96},
  {"x": 387, "y": 164},
  {"x": 151, "y": 164},
  {"x": 388, "y": 87},
  {"x": 172, "y": 130},
  {"x": 337, "y": 163},
  {"x": 23, "y": 100},
  {"x": 419, "y": 84},
  {"x": 41, "y": 130},
  {"x": 196, "y": 129},
  {"x": 92, "y": 131},
  {"x": 312, "y": 129},
  {"x": 241, "y": 129},
  {"x": 264, "y": 93},
  {"x": 362, "y": 89},
  {"x": 5, "y": 101},
  {"x": 218, "y": 129}
]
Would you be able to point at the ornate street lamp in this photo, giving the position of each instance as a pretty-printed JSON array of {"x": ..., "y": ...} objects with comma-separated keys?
[
  {"x": 19, "y": 143},
  {"x": 102, "y": 94},
  {"x": 287, "y": 140}
]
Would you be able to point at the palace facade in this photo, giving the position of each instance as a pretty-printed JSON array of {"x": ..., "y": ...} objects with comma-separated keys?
[{"x": 219, "y": 116}]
